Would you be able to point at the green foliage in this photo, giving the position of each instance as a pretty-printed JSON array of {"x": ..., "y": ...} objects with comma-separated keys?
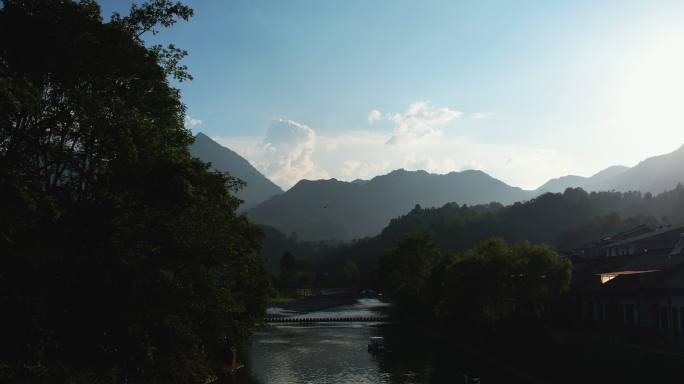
[
  {"x": 493, "y": 280},
  {"x": 146, "y": 18},
  {"x": 406, "y": 269},
  {"x": 276, "y": 243},
  {"x": 308, "y": 273},
  {"x": 563, "y": 220},
  {"x": 477, "y": 288},
  {"x": 122, "y": 258}
]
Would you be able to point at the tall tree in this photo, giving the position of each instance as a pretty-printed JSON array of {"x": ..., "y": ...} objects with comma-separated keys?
[
  {"x": 121, "y": 257},
  {"x": 405, "y": 271}
]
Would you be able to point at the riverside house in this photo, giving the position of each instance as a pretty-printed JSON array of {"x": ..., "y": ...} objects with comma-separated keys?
[{"x": 632, "y": 285}]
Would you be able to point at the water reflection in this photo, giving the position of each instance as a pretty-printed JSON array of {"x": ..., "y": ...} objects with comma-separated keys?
[{"x": 337, "y": 353}]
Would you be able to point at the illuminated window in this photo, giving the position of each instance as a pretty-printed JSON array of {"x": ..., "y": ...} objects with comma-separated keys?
[{"x": 606, "y": 277}]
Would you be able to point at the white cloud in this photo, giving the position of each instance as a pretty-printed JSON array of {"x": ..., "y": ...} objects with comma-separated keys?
[
  {"x": 418, "y": 121},
  {"x": 481, "y": 115},
  {"x": 192, "y": 122},
  {"x": 363, "y": 154},
  {"x": 354, "y": 169},
  {"x": 471, "y": 165},
  {"x": 286, "y": 153},
  {"x": 374, "y": 116},
  {"x": 419, "y": 161},
  {"x": 291, "y": 151}
]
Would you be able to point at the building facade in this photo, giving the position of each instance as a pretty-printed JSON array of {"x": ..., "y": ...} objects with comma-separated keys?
[{"x": 632, "y": 286}]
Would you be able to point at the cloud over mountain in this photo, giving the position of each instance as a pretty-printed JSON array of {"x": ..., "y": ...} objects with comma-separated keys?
[
  {"x": 286, "y": 153},
  {"x": 291, "y": 150},
  {"x": 419, "y": 120},
  {"x": 191, "y": 122}
]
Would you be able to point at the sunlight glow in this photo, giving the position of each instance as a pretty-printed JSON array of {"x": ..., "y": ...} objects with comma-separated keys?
[{"x": 650, "y": 92}]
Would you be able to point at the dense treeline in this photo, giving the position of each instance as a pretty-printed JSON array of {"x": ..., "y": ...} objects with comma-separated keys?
[
  {"x": 542, "y": 219},
  {"x": 477, "y": 288},
  {"x": 293, "y": 263},
  {"x": 277, "y": 243},
  {"x": 121, "y": 257},
  {"x": 562, "y": 220}
]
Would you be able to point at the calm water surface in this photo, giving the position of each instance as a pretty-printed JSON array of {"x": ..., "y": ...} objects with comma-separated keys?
[{"x": 337, "y": 353}]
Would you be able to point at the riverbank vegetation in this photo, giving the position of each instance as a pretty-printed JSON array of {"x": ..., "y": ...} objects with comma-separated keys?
[
  {"x": 564, "y": 221},
  {"x": 561, "y": 220},
  {"x": 475, "y": 289},
  {"x": 123, "y": 259}
]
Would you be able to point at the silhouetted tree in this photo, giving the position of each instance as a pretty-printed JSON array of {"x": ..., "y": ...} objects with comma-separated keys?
[
  {"x": 405, "y": 270},
  {"x": 121, "y": 257}
]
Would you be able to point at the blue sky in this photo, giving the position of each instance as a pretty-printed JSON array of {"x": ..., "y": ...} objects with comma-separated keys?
[{"x": 524, "y": 90}]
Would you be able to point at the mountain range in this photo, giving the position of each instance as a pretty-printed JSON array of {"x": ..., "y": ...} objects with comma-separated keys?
[
  {"x": 656, "y": 174},
  {"x": 333, "y": 209},
  {"x": 562, "y": 183},
  {"x": 340, "y": 210}
]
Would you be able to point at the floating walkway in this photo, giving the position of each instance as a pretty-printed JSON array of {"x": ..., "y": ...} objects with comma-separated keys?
[{"x": 313, "y": 319}]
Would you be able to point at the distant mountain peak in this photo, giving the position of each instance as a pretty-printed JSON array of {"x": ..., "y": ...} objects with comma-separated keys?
[
  {"x": 611, "y": 171},
  {"x": 258, "y": 188},
  {"x": 354, "y": 210},
  {"x": 654, "y": 174},
  {"x": 473, "y": 172}
]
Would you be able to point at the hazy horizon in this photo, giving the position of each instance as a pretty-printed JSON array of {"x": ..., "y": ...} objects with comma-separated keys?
[{"x": 223, "y": 143}]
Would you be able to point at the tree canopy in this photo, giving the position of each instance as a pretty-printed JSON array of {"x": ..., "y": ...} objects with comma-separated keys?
[
  {"x": 121, "y": 256},
  {"x": 493, "y": 280},
  {"x": 563, "y": 220},
  {"x": 406, "y": 270},
  {"x": 477, "y": 288}
]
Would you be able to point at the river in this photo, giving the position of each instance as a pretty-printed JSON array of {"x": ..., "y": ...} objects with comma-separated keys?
[{"x": 335, "y": 353}]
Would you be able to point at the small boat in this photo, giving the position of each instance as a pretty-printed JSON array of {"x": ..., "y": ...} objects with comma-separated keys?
[{"x": 376, "y": 344}]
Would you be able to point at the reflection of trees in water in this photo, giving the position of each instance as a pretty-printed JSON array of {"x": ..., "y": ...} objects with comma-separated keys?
[
  {"x": 409, "y": 357},
  {"x": 244, "y": 375},
  {"x": 413, "y": 356}
]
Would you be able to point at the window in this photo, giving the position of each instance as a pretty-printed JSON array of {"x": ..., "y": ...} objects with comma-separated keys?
[{"x": 606, "y": 277}]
